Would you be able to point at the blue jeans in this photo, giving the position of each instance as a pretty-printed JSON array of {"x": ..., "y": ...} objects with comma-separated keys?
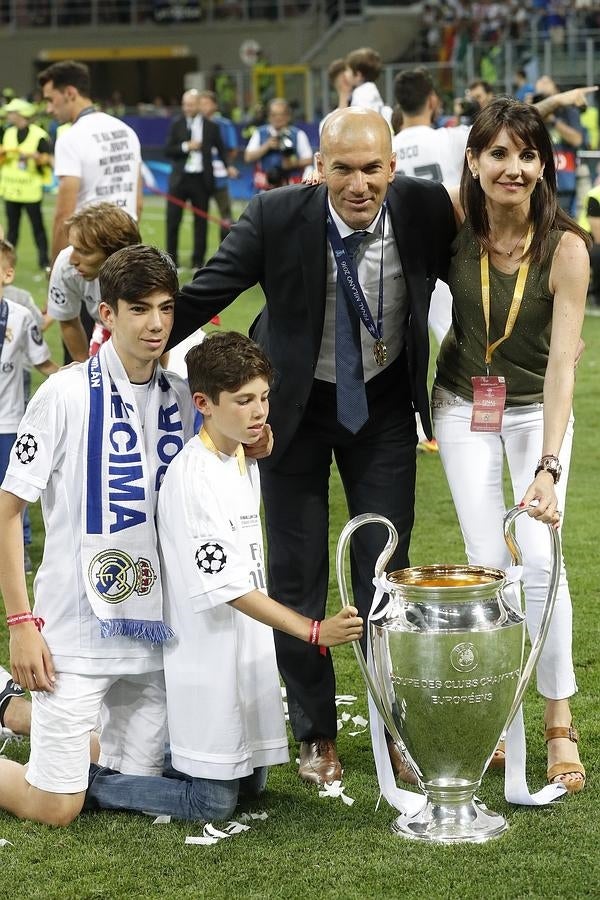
[{"x": 172, "y": 794}]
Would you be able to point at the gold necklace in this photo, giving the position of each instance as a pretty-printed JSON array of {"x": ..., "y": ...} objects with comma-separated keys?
[{"x": 510, "y": 252}]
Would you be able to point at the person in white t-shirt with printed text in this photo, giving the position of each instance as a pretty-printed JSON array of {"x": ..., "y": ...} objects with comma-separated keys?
[{"x": 98, "y": 158}]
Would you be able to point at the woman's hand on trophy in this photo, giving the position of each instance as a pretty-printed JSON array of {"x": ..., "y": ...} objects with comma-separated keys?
[
  {"x": 345, "y": 626},
  {"x": 541, "y": 501}
]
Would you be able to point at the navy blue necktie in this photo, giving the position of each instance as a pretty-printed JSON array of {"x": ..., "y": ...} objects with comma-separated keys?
[{"x": 351, "y": 397}]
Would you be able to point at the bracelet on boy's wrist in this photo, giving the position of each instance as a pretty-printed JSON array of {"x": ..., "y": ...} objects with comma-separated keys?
[
  {"x": 22, "y": 618},
  {"x": 315, "y": 631}
]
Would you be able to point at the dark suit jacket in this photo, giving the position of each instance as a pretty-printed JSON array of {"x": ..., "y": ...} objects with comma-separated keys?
[
  {"x": 178, "y": 134},
  {"x": 281, "y": 243}
]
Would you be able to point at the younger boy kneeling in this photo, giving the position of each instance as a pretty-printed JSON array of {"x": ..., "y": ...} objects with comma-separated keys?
[{"x": 225, "y": 713}]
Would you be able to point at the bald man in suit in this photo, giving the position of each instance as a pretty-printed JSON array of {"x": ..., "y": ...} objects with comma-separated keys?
[{"x": 351, "y": 399}]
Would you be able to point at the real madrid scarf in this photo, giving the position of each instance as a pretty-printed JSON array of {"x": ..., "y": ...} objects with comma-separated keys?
[{"x": 125, "y": 458}]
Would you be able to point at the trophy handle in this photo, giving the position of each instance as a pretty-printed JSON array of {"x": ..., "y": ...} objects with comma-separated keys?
[
  {"x": 380, "y": 565},
  {"x": 536, "y": 648}
]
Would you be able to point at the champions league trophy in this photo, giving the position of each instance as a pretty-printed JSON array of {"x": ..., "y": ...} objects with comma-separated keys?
[{"x": 446, "y": 674}]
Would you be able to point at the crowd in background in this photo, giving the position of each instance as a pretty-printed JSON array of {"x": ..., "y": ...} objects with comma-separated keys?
[{"x": 449, "y": 26}]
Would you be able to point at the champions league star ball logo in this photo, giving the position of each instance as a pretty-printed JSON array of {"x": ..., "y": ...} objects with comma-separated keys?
[
  {"x": 57, "y": 296},
  {"x": 114, "y": 576},
  {"x": 211, "y": 558},
  {"x": 26, "y": 448},
  {"x": 464, "y": 657}
]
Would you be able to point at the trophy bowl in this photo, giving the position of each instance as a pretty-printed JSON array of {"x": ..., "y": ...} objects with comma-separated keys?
[{"x": 447, "y": 677}]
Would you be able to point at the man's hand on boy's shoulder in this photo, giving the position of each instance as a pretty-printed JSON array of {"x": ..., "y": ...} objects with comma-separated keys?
[{"x": 263, "y": 447}]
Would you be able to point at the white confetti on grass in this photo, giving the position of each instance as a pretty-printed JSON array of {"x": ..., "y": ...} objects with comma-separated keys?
[
  {"x": 212, "y": 835},
  {"x": 4, "y": 843},
  {"x": 360, "y": 723},
  {"x": 253, "y": 817},
  {"x": 336, "y": 790}
]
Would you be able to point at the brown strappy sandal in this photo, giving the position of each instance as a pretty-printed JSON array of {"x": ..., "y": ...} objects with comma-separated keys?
[
  {"x": 565, "y": 768},
  {"x": 499, "y": 758}
]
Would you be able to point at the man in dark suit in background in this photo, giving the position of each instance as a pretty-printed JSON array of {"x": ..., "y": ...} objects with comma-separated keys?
[
  {"x": 333, "y": 395},
  {"x": 189, "y": 145}
]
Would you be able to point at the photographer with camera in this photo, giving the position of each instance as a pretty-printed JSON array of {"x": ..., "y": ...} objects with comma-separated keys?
[{"x": 280, "y": 151}]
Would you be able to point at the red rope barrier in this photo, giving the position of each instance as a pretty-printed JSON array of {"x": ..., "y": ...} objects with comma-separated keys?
[{"x": 223, "y": 223}]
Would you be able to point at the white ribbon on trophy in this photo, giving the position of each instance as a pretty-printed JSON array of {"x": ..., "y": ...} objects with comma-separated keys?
[{"x": 515, "y": 782}]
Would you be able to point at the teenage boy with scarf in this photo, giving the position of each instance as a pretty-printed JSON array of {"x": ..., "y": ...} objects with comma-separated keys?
[
  {"x": 94, "y": 444},
  {"x": 212, "y": 560}
]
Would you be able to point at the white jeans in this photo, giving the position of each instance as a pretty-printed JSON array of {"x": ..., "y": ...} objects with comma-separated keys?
[{"x": 473, "y": 462}]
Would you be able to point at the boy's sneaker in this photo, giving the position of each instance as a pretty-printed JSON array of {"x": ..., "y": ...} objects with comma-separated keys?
[
  {"x": 10, "y": 690},
  {"x": 27, "y": 560}
]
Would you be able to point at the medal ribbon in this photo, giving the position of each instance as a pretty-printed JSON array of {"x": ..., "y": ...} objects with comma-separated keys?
[
  {"x": 210, "y": 445},
  {"x": 350, "y": 283},
  {"x": 515, "y": 305}
]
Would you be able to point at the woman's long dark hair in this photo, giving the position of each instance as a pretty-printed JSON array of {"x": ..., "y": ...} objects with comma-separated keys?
[{"x": 522, "y": 121}]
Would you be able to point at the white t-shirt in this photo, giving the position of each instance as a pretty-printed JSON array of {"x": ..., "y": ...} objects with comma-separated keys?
[
  {"x": 434, "y": 153},
  {"x": 367, "y": 95},
  {"x": 47, "y": 462},
  {"x": 68, "y": 290},
  {"x": 223, "y": 694},
  {"x": 104, "y": 153},
  {"x": 23, "y": 345}
]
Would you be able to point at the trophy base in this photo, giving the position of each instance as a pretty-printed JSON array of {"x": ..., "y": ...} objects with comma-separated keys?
[{"x": 451, "y": 823}]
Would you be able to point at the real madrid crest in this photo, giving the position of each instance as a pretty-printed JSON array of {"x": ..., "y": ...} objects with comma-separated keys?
[{"x": 114, "y": 576}]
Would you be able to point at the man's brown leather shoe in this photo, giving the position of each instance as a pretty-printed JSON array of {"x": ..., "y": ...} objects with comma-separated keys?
[
  {"x": 319, "y": 761},
  {"x": 402, "y": 769}
]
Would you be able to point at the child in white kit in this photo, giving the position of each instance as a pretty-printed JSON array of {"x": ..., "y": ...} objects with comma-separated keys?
[{"x": 21, "y": 345}]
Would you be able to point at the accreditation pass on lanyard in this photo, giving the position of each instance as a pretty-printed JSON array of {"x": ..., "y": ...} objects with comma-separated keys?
[{"x": 489, "y": 391}]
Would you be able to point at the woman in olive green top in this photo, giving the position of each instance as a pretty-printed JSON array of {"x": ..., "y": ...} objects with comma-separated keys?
[{"x": 505, "y": 376}]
